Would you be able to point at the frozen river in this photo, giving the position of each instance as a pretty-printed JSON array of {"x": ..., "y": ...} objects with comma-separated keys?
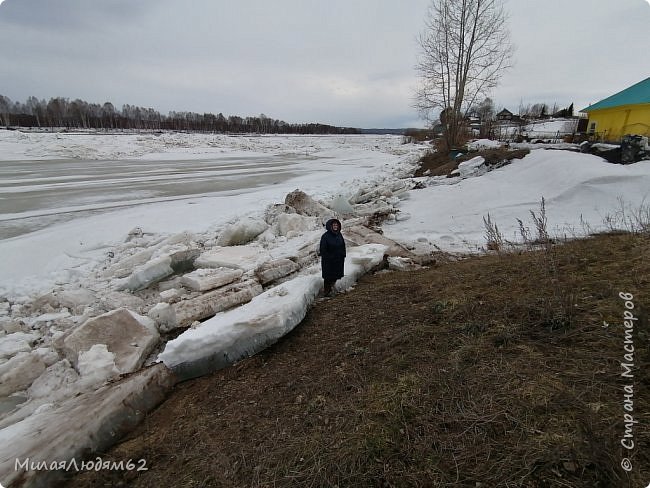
[
  {"x": 67, "y": 201},
  {"x": 35, "y": 194}
]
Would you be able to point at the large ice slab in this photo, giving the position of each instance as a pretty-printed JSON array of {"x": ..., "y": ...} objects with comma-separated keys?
[
  {"x": 469, "y": 168},
  {"x": 241, "y": 332},
  {"x": 150, "y": 272},
  {"x": 19, "y": 372},
  {"x": 359, "y": 261},
  {"x": 292, "y": 223},
  {"x": 244, "y": 331},
  {"x": 12, "y": 344},
  {"x": 129, "y": 336},
  {"x": 241, "y": 232},
  {"x": 88, "y": 423},
  {"x": 208, "y": 279},
  {"x": 306, "y": 205},
  {"x": 185, "y": 312},
  {"x": 239, "y": 257},
  {"x": 360, "y": 234},
  {"x": 274, "y": 270}
]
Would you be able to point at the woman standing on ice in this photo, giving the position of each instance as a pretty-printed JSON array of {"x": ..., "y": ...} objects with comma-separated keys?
[{"x": 332, "y": 252}]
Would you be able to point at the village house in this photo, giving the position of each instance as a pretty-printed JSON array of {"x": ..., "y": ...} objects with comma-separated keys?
[
  {"x": 625, "y": 112},
  {"x": 505, "y": 114}
]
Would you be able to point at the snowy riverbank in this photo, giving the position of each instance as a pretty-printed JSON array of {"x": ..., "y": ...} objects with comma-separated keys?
[
  {"x": 93, "y": 298},
  {"x": 89, "y": 299}
]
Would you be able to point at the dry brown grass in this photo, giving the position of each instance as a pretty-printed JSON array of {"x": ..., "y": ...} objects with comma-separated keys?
[
  {"x": 492, "y": 371},
  {"x": 439, "y": 163}
]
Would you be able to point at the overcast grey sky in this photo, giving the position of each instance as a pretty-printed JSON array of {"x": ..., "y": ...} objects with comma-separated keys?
[{"x": 342, "y": 62}]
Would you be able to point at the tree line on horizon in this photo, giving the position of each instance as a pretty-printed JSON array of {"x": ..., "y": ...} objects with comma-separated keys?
[{"x": 79, "y": 114}]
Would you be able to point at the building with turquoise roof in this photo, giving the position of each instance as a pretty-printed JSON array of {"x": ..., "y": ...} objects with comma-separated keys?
[{"x": 625, "y": 112}]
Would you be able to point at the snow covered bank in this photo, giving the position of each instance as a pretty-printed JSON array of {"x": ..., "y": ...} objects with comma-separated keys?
[
  {"x": 128, "y": 248},
  {"x": 548, "y": 130},
  {"x": 85, "y": 300},
  {"x": 580, "y": 191},
  {"x": 175, "y": 263}
]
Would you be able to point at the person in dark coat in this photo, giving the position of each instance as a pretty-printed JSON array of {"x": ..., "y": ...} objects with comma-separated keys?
[{"x": 332, "y": 252}]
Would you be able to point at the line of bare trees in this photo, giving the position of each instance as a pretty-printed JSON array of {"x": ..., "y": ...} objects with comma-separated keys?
[{"x": 78, "y": 114}]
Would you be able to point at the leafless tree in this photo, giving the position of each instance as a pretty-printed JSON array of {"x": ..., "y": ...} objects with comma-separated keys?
[
  {"x": 485, "y": 111},
  {"x": 5, "y": 110},
  {"x": 465, "y": 48}
]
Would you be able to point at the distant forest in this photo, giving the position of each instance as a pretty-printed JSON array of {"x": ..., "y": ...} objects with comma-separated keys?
[{"x": 78, "y": 114}]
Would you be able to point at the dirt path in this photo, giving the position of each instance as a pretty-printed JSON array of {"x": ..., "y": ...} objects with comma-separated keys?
[{"x": 492, "y": 371}]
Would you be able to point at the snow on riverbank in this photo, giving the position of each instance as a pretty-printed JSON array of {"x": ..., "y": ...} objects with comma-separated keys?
[
  {"x": 243, "y": 259},
  {"x": 580, "y": 192},
  {"x": 168, "y": 264}
]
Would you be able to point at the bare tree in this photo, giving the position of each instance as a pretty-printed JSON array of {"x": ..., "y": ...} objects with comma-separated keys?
[
  {"x": 485, "y": 111},
  {"x": 465, "y": 49},
  {"x": 5, "y": 106}
]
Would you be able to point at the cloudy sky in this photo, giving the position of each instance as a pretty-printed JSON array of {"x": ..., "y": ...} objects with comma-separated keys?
[{"x": 342, "y": 62}]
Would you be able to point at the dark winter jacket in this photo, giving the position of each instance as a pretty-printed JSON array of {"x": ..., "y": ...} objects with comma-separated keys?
[{"x": 332, "y": 251}]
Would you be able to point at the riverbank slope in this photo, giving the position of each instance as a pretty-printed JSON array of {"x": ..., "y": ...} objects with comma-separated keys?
[{"x": 487, "y": 371}]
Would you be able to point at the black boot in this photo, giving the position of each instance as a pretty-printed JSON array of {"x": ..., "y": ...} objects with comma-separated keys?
[{"x": 327, "y": 290}]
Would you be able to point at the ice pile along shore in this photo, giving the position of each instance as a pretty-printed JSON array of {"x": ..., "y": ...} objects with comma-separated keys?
[{"x": 256, "y": 279}]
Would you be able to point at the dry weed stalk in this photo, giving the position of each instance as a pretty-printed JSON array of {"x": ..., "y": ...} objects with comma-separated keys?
[
  {"x": 493, "y": 235},
  {"x": 558, "y": 308},
  {"x": 629, "y": 219}
]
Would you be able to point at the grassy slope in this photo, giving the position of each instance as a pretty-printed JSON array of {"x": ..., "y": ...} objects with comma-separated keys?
[
  {"x": 438, "y": 164},
  {"x": 491, "y": 371}
]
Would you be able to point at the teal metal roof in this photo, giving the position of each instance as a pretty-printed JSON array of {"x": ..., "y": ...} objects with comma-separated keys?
[{"x": 639, "y": 93}]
